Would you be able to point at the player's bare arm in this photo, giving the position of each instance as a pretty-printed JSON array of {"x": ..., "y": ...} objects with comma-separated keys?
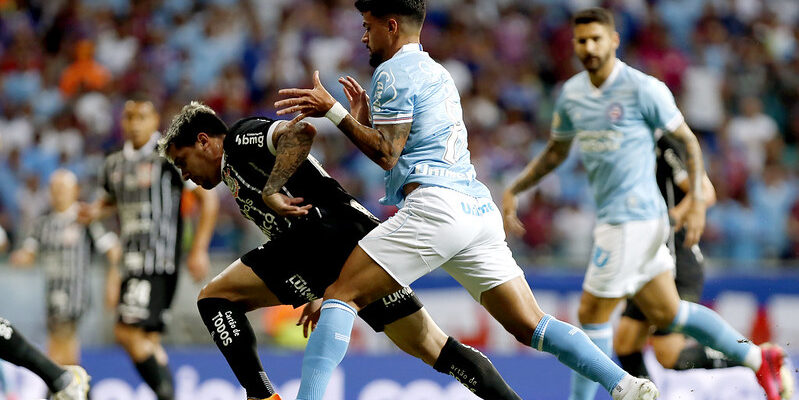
[
  {"x": 292, "y": 144},
  {"x": 554, "y": 154},
  {"x": 382, "y": 145},
  {"x": 680, "y": 209},
  {"x": 694, "y": 218},
  {"x": 197, "y": 261}
]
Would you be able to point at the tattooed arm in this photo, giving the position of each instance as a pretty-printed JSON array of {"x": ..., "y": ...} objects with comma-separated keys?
[
  {"x": 292, "y": 144},
  {"x": 694, "y": 217},
  {"x": 382, "y": 145},
  {"x": 554, "y": 154}
]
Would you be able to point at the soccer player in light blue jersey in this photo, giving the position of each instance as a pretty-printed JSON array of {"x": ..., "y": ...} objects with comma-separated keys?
[
  {"x": 613, "y": 112},
  {"x": 411, "y": 124}
]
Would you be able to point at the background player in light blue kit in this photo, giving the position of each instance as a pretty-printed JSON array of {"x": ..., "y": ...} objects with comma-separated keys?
[
  {"x": 613, "y": 111},
  {"x": 447, "y": 218}
]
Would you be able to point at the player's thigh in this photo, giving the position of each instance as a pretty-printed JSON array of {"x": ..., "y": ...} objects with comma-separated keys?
[
  {"x": 240, "y": 284},
  {"x": 659, "y": 300},
  {"x": 361, "y": 281},
  {"x": 418, "y": 335},
  {"x": 631, "y": 335},
  {"x": 426, "y": 232},
  {"x": 513, "y": 305},
  {"x": 626, "y": 256}
]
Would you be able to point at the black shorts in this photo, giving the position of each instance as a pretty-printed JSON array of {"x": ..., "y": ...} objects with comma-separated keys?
[
  {"x": 300, "y": 264},
  {"x": 689, "y": 279},
  {"x": 144, "y": 300},
  {"x": 66, "y": 302}
]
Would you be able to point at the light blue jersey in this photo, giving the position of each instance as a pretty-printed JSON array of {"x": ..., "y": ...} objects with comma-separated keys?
[
  {"x": 412, "y": 88},
  {"x": 614, "y": 126}
]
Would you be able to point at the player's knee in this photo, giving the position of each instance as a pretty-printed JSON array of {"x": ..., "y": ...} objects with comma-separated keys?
[
  {"x": 586, "y": 311},
  {"x": 522, "y": 332},
  {"x": 216, "y": 289},
  {"x": 661, "y": 317},
  {"x": 341, "y": 291},
  {"x": 122, "y": 335}
]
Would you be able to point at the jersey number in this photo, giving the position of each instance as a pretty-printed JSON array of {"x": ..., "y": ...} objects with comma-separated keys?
[{"x": 137, "y": 293}]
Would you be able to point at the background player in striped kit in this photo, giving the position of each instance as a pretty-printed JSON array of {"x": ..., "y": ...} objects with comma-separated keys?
[
  {"x": 145, "y": 190},
  {"x": 613, "y": 111},
  {"x": 63, "y": 247}
]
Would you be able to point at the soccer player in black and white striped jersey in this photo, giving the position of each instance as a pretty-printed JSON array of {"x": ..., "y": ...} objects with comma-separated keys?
[
  {"x": 145, "y": 190},
  {"x": 64, "y": 247}
]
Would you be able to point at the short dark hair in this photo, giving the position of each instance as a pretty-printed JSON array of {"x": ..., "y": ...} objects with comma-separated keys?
[
  {"x": 413, "y": 9},
  {"x": 596, "y": 14},
  {"x": 192, "y": 119}
]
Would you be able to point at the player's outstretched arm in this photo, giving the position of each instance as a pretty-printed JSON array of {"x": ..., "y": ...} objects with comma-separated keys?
[
  {"x": 694, "y": 218},
  {"x": 292, "y": 143},
  {"x": 554, "y": 154},
  {"x": 382, "y": 145}
]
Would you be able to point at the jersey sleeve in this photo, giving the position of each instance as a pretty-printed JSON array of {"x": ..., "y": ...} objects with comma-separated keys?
[
  {"x": 102, "y": 238},
  {"x": 672, "y": 160},
  {"x": 562, "y": 127},
  {"x": 658, "y": 107},
  {"x": 392, "y": 97}
]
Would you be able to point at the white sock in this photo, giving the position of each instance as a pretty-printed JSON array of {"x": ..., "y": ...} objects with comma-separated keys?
[{"x": 754, "y": 358}]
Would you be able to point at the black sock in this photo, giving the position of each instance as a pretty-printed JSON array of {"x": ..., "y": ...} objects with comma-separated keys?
[
  {"x": 232, "y": 333},
  {"x": 473, "y": 369},
  {"x": 698, "y": 356},
  {"x": 157, "y": 377},
  {"x": 15, "y": 349},
  {"x": 633, "y": 363}
]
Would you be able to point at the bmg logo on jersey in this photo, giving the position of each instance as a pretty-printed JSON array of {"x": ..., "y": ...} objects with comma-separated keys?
[{"x": 251, "y": 138}]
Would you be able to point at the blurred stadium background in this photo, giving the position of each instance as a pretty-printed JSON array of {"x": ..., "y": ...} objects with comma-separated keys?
[{"x": 67, "y": 66}]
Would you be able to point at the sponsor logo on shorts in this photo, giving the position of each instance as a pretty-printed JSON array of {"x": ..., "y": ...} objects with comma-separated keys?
[
  {"x": 301, "y": 287},
  {"x": 601, "y": 257},
  {"x": 474, "y": 209},
  {"x": 397, "y": 296}
]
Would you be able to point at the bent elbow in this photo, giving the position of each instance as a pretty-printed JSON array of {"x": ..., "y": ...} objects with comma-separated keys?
[
  {"x": 387, "y": 162},
  {"x": 305, "y": 130}
]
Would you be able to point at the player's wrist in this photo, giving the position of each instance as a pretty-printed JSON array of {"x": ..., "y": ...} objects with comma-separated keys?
[{"x": 336, "y": 113}]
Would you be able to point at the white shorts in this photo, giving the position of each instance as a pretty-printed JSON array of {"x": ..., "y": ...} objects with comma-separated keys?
[
  {"x": 439, "y": 227},
  {"x": 626, "y": 256}
]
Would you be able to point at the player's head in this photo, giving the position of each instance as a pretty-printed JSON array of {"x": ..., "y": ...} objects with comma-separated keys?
[
  {"x": 193, "y": 143},
  {"x": 595, "y": 38},
  {"x": 63, "y": 189},
  {"x": 139, "y": 121},
  {"x": 385, "y": 22}
]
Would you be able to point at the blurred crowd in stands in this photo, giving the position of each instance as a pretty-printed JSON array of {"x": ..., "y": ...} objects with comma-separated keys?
[{"x": 67, "y": 67}]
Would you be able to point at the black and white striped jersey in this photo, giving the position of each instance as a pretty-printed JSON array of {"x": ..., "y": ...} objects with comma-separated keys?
[
  {"x": 147, "y": 192},
  {"x": 64, "y": 247},
  {"x": 249, "y": 156}
]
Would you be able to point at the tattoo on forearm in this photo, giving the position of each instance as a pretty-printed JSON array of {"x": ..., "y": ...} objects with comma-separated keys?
[
  {"x": 381, "y": 146},
  {"x": 694, "y": 163},
  {"x": 292, "y": 149},
  {"x": 552, "y": 156}
]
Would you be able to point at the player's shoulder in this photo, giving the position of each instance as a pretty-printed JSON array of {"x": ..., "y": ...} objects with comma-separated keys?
[
  {"x": 574, "y": 87},
  {"x": 248, "y": 131},
  {"x": 640, "y": 79}
]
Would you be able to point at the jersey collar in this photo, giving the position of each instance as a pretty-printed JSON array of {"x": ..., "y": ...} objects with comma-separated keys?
[
  {"x": 132, "y": 154},
  {"x": 409, "y": 48},
  {"x": 611, "y": 78}
]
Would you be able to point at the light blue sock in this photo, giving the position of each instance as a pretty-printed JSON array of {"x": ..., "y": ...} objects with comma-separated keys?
[
  {"x": 573, "y": 348},
  {"x": 583, "y": 388},
  {"x": 707, "y": 327},
  {"x": 326, "y": 348}
]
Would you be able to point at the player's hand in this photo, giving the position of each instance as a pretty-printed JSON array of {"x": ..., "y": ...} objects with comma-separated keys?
[
  {"x": 310, "y": 316},
  {"x": 198, "y": 264},
  {"x": 359, "y": 100},
  {"x": 88, "y": 212},
  {"x": 286, "y": 206},
  {"x": 314, "y": 102},
  {"x": 694, "y": 222},
  {"x": 513, "y": 226}
]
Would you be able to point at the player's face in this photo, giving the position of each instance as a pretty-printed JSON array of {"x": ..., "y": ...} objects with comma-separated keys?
[
  {"x": 196, "y": 163},
  {"x": 594, "y": 45},
  {"x": 63, "y": 192},
  {"x": 139, "y": 122},
  {"x": 376, "y": 38}
]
